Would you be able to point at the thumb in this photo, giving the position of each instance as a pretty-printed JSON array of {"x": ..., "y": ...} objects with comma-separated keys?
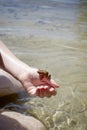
[{"x": 51, "y": 83}]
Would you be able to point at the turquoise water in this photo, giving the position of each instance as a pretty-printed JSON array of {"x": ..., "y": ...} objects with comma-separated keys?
[{"x": 50, "y": 34}]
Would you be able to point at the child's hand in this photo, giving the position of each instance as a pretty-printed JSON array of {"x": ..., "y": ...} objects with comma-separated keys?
[{"x": 39, "y": 83}]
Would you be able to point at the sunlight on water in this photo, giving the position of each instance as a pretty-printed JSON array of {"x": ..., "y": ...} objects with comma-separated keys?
[{"x": 51, "y": 34}]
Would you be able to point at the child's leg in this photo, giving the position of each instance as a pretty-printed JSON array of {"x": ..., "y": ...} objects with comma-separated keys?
[
  {"x": 8, "y": 84},
  {"x": 10, "y": 120}
]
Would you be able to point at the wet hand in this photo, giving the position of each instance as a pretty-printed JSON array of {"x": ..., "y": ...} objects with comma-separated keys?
[{"x": 39, "y": 83}]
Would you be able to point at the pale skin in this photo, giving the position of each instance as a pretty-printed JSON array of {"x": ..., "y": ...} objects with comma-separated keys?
[{"x": 36, "y": 82}]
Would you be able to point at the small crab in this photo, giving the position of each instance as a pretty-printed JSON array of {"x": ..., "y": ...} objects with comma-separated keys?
[{"x": 44, "y": 74}]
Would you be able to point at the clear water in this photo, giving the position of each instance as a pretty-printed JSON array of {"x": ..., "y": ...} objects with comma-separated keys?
[{"x": 50, "y": 34}]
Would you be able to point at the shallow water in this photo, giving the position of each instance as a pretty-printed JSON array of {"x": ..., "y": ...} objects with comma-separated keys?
[{"x": 50, "y": 34}]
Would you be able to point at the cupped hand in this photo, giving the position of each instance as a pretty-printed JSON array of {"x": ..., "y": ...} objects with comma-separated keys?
[{"x": 39, "y": 83}]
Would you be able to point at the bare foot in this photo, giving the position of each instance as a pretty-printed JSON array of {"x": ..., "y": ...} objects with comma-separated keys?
[{"x": 38, "y": 83}]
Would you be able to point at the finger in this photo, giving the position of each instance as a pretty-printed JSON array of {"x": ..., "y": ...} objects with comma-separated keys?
[
  {"x": 54, "y": 83},
  {"x": 41, "y": 91},
  {"x": 46, "y": 91},
  {"x": 38, "y": 92},
  {"x": 53, "y": 91},
  {"x": 51, "y": 83}
]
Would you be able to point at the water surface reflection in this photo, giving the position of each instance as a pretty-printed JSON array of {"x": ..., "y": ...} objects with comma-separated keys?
[{"x": 51, "y": 34}]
